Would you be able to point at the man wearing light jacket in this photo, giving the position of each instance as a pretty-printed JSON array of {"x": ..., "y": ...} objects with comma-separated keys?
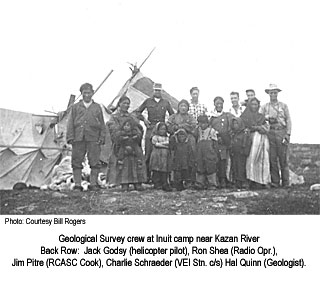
[{"x": 277, "y": 113}]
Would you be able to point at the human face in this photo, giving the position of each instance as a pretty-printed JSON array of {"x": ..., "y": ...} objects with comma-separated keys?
[
  {"x": 127, "y": 127},
  {"x": 254, "y": 105},
  {"x": 218, "y": 105},
  {"x": 87, "y": 95},
  {"x": 203, "y": 125},
  {"x": 183, "y": 108},
  {"x": 124, "y": 105},
  {"x": 236, "y": 125},
  {"x": 234, "y": 100},
  {"x": 250, "y": 94},
  {"x": 273, "y": 95},
  {"x": 195, "y": 96},
  {"x": 182, "y": 138},
  {"x": 162, "y": 131},
  {"x": 157, "y": 93}
]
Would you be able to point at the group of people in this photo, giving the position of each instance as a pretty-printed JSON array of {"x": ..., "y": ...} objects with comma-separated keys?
[{"x": 187, "y": 148}]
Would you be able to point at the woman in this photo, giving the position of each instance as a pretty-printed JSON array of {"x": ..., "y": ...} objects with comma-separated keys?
[
  {"x": 132, "y": 169},
  {"x": 239, "y": 151},
  {"x": 183, "y": 120},
  {"x": 257, "y": 167}
]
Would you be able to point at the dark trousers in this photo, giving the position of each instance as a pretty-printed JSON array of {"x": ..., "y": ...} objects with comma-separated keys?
[
  {"x": 222, "y": 169},
  {"x": 278, "y": 154},
  {"x": 148, "y": 148},
  {"x": 159, "y": 179},
  {"x": 181, "y": 176},
  {"x": 79, "y": 150}
]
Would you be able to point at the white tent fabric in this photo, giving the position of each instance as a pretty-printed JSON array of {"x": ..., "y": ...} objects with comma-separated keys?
[{"x": 29, "y": 148}]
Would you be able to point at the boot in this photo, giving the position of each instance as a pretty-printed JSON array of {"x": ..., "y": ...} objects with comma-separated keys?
[
  {"x": 77, "y": 176},
  {"x": 94, "y": 179},
  {"x": 77, "y": 179},
  {"x": 138, "y": 187},
  {"x": 125, "y": 187}
]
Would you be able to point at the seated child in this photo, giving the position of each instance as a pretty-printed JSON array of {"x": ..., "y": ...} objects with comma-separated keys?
[
  {"x": 206, "y": 154},
  {"x": 160, "y": 157},
  {"x": 239, "y": 151},
  {"x": 128, "y": 142},
  {"x": 183, "y": 158}
]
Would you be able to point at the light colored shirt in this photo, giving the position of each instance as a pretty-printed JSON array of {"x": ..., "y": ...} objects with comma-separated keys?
[
  {"x": 207, "y": 134},
  {"x": 197, "y": 109},
  {"x": 280, "y": 111},
  {"x": 237, "y": 111},
  {"x": 87, "y": 104}
]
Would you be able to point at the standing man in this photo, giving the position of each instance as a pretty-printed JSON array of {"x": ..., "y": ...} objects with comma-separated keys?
[
  {"x": 157, "y": 107},
  {"x": 196, "y": 109},
  {"x": 236, "y": 108},
  {"x": 221, "y": 122},
  {"x": 86, "y": 131},
  {"x": 279, "y": 136},
  {"x": 250, "y": 94}
]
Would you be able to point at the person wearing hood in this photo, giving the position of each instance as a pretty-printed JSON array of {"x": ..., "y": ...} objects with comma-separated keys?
[
  {"x": 206, "y": 154},
  {"x": 239, "y": 151},
  {"x": 184, "y": 120},
  {"x": 183, "y": 162},
  {"x": 132, "y": 168},
  {"x": 221, "y": 122},
  {"x": 258, "y": 167}
]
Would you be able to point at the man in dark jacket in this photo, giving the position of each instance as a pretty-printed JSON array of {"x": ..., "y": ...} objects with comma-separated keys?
[
  {"x": 221, "y": 122},
  {"x": 157, "y": 107},
  {"x": 86, "y": 131}
]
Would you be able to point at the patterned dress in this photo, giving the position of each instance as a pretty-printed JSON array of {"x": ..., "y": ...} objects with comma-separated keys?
[{"x": 160, "y": 157}]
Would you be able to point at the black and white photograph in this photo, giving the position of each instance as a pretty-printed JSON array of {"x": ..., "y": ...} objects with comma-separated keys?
[{"x": 196, "y": 109}]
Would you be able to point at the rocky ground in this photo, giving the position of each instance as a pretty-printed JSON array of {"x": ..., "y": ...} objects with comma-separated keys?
[{"x": 295, "y": 200}]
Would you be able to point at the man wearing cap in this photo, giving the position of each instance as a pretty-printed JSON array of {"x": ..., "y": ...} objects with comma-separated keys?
[
  {"x": 86, "y": 131},
  {"x": 221, "y": 122},
  {"x": 157, "y": 107},
  {"x": 279, "y": 136},
  {"x": 250, "y": 94},
  {"x": 195, "y": 108},
  {"x": 236, "y": 108}
]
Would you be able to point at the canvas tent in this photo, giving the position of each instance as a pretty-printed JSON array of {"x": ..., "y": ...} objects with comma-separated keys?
[
  {"x": 138, "y": 88},
  {"x": 29, "y": 147}
]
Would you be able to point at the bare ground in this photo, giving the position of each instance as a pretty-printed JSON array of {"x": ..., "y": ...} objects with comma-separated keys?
[{"x": 295, "y": 200}]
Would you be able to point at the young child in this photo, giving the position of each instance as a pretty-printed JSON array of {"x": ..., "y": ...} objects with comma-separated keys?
[
  {"x": 240, "y": 150},
  {"x": 128, "y": 141},
  {"x": 183, "y": 158},
  {"x": 206, "y": 154},
  {"x": 160, "y": 157}
]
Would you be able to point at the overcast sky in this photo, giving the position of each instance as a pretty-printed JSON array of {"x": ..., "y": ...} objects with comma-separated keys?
[{"x": 49, "y": 48}]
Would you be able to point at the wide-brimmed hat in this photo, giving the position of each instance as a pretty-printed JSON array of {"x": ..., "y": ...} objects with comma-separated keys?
[{"x": 272, "y": 87}]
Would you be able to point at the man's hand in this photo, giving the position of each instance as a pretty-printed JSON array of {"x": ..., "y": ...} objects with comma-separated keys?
[
  {"x": 287, "y": 138},
  {"x": 147, "y": 122}
]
